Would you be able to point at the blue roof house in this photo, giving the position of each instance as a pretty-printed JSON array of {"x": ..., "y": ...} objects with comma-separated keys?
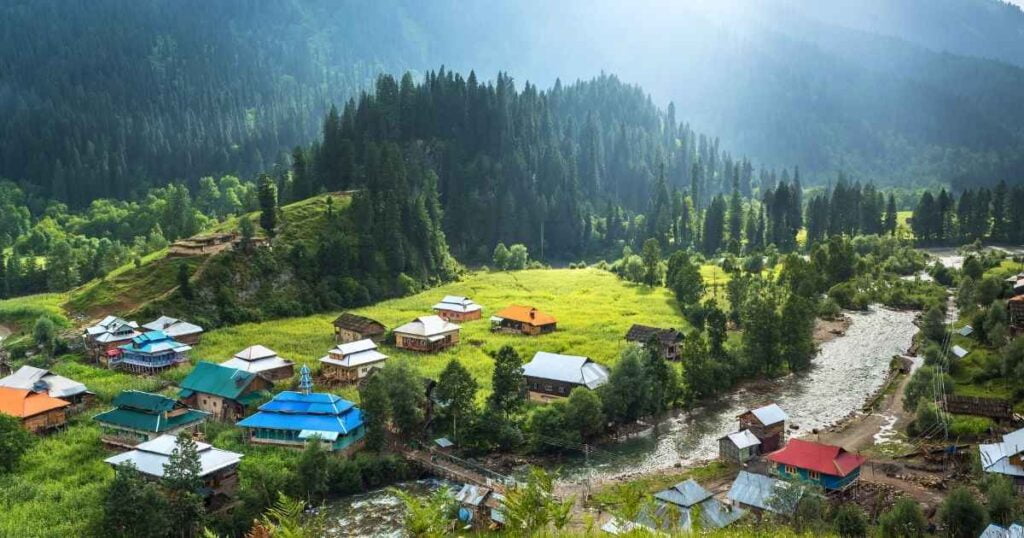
[
  {"x": 296, "y": 418},
  {"x": 150, "y": 352}
]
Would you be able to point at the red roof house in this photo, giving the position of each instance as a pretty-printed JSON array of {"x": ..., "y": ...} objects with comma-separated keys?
[{"x": 830, "y": 466}]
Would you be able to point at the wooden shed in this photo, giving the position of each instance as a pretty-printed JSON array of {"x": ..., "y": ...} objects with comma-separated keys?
[
  {"x": 668, "y": 340},
  {"x": 350, "y": 327},
  {"x": 768, "y": 424}
]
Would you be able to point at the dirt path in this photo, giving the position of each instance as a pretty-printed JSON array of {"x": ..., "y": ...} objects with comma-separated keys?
[
  {"x": 4, "y": 332},
  {"x": 866, "y": 430}
]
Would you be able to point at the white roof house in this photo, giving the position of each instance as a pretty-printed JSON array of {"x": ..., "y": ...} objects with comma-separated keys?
[
  {"x": 995, "y": 457},
  {"x": 743, "y": 439},
  {"x": 37, "y": 379},
  {"x": 173, "y": 327},
  {"x": 770, "y": 414},
  {"x": 151, "y": 457},
  {"x": 353, "y": 354},
  {"x": 256, "y": 359},
  {"x": 112, "y": 329},
  {"x": 433, "y": 328},
  {"x": 457, "y": 303},
  {"x": 566, "y": 368}
]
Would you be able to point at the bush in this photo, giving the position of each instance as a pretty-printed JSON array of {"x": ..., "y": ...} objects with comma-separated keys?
[
  {"x": 849, "y": 521},
  {"x": 962, "y": 515},
  {"x": 967, "y": 426},
  {"x": 903, "y": 520}
]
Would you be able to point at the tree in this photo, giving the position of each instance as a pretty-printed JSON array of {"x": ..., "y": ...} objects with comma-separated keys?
[
  {"x": 427, "y": 517},
  {"x": 1001, "y": 500},
  {"x": 312, "y": 473},
  {"x": 501, "y": 257},
  {"x": 962, "y": 515},
  {"x": 286, "y": 519},
  {"x": 247, "y": 230},
  {"x": 660, "y": 380},
  {"x": 518, "y": 257},
  {"x": 762, "y": 334},
  {"x": 268, "y": 205},
  {"x": 583, "y": 413},
  {"x": 406, "y": 397},
  {"x": 184, "y": 286},
  {"x": 714, "y": 226},
  {"x": 933, "y": 324},
  {"x": 182, "y": 482},
  {"x": 683, "y": 278},
  {"x": 922, "y": 386},
  {"x": 531, "y": 506},
  {"x": 849, "y": 521},
  {"x": 373, "y": 400},
  {"x": 903, "y": 520},
  {"x": 456, "y": 390},
  {"x": 44, "y": 334},
  {"x": 133, "y": 506},
  {"x": 624, "y": 401},
  {"x": 798, "y": 320},
  {"x": 652, "y": 258},
  {"x": 508, "y": 387},
  {"x": 14, "y": 442},
  {"x": 548, "y": 429},
  {"x": 890, "y": 220}
]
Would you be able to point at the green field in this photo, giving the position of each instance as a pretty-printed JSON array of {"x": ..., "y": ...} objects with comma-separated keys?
[{"x": 594, "y": 310}]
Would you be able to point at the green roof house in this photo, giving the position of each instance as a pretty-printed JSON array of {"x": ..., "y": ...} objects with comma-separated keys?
[
  {"x": 224, "y": 392},
  {"x": 138, "y": 417}
]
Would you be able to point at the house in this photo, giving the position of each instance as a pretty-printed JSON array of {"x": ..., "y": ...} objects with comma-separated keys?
[
  {"x": 138, "y": 417},
  {"x": 1015, "y": 311},
  {"x": 350, "y": 327},
  {"x": 1005, "y": 458},
  {"x": 768, "y": 424},
  {"x": 103, "y": 339},
  {"x": 668, "y": 340},
  {"x": 550, "y": 375},
  {"x": 738, "y": 447},
  {"x": 830, "y": 466},
  {"x": 37, "y": 411},
  {"x": 458, "y": 308},
  {"x": 959, "y": 352},
  {"x": 218, "y": 469},
  {"x": 524, "y": 320},
  {"x": 351, "y": 362},
  {"x": 293, "y": 419},
  {"x": 223, "y": 392},
  {"x": 149, "y": 353},
  {"x": 427, "y": 333},
  {"x": 683, "y": 498},
  {"x": 480, "y": 506},
  {"x": 263, "y": 361},
  {"x": 759, "y": 493},
  {"x": 39, "y": 380},
  {"x": 995, "y": 531},
  {"x": 182, "y": 331}
]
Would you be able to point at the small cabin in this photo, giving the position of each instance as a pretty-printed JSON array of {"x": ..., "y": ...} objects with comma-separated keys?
[
  {"x": 138, "y": 417},
  {"x": 480, "y": 507},
  {"x": 427, "y": 334},
  {"x": 759, "y": 493},
  {"x": 350, "y": 362},
  {"x": 103, "y": 339},
  {"x": 768, "y": 424},
  {"x": 458, "y": 309},
  {"x": 830, "y": 466},
  {"x": 668, "y": 341},
  {"x": 262, "y": 361},
  {"x": 39, "y": 380},
  {"x": 38, "y": 411},
  {"x": 150, "y": 353},
  {"x": 523, "y": 320},
  {"x": 350, "y": 327},
  {"x": 682, "y": 500},
  {"x": 738, "y": 447},
  {"x": 179, "y": 330},
  {"x": 551, "y": 376},
  {"x": 225, "y": 393}
]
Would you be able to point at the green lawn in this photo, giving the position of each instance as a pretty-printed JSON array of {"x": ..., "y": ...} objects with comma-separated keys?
[
  {"x": 593, "y": 307},
  {"x": 21, "y": 313},
  {"x": 128, "y": 289}
]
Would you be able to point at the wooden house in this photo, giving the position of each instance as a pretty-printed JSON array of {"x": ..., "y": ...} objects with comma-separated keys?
[
  {"x": 39, "y": 380},
  {"x": 225, "y": 393},
  {"x": 1015, "y": 312},
  {"x": 262, "y": 361},
  {"x": 149, "y": 353},
  {"x": 103, "y": 339},
  {"x": 293, "y": 419},
  {"x": 738, "y": 447},
  {"x": 37, "y": 411},
  {"x": 427, "y": 334},
  {"x": 830, "y": 466},
  {"x": 350, "y": 327},
  {"x": 550, "y": 375},
  {"x": 218, "y": 468},
  {"x": 668, "y": 341},
  {"x": 458, "y": 309},
  {"x": 1006, "y": 457},
  {"x": 179, "y": 330},
  {"x": 768, "y": 424},
  {"x": 138, "y": 417},
  {"x": 348, "y": 363},
  {"x": 524, "y": 320}
]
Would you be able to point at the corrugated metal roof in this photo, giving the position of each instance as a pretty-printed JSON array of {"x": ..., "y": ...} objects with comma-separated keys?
[
  {"x": 685, "y": 494},
  {"x": 155, "y": 342},
  {"x": 143, "y": 401},
  {"x": 995, "y": 457},
  {"x": 257, "y": 365},
  {"x": 743, "y": 439},
  {"x": 32, "y": 378},
  {"x": 23, "y": 403},
  {"x": 966, "y": 330},
  {"x": 566, "y": 368},
  {"x": 960, "y": 352},
  {"x": 526, "y": 314},
  {"x": 256, "y": 352},
  {"x": 995, "y": 531},
  {"x": 152, "y": 456},
  {"x": 472, "y": 495},
  {"x": 173, "y": 327},
  {"x": 217, "y": 379},
  {"x": 457, "y": 303},
  {"x": 297, "y": 411},
  {"x": 353, "y": 360},
  {"x": 756, "y": 490},
  {"x": 770, "y": 414},
  {"x": 156, "y": 423},
  {"x": 826, "y": 459},
  {"x": 355, "y": 347},
  {"x": 427, "y": 326}
]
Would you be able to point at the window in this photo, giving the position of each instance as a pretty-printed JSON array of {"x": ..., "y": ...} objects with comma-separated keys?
[
  {"x": 790, "y": 469},
  {"x": 813, "y": 475}
]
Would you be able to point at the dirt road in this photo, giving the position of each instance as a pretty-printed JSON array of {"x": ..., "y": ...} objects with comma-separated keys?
[{"x": 879, "y": 426}]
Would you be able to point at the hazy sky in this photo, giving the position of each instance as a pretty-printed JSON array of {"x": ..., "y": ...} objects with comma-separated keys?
[{"x": 1018, "y": 2}]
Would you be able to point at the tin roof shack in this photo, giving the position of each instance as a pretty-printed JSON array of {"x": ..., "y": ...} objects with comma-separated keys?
[
  {"x": 348, "y": 363},
  {"x": 263, "y": 361},
  {"x": 668, "y": 340},
  {"x": 998, "y": 409},
  {"x": 293, "y": 419},
  {"x": 523, "y": 320},
  {"x": 550, "y": 375},
  {"x": 684, "y": 496},
  {"x": 350, "y": 327},
  {"x": 427, "y": 334},
  {"x": 138, "y": 417},
  {"x": 829, "y": 466},
  {"x": 738, "y": 447},
  {"x": 225, "y": 393},
  {"x": 182, "y": 331},
  {"x": 218, "y": 468},
  {"x": 103, "y": 339},
  {"x": 759, "y": 493},
  {"x": 768, "y": 424},
  {"x": 150, "y": 353},
  {"x": 458, "y": 309},
  {"x": 1005, "y": 458},
  {"x": 39, "y": 380},
  {"x": 37, "y": 411},
  {"x": 480, "y": 506}
]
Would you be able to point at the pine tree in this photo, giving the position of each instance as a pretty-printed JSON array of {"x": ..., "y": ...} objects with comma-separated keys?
[
  {"x": 268, "y": 205},
  {"x": 890, "y": 220},
  {"x": 182, "y": 482},
  {"x": 184, "y": 285},
  {"x": 133, "y": 506},
  {"x": 457, "y": 389},
  {"x": 508, "y": 387},
  {"x": 735, "y": 216},
  {"x": 714, "y": 226},
  {"x": 376, "y": 407}
]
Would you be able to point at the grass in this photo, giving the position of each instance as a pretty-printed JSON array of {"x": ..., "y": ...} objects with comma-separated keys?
[
  {"x": 20, "y": 313},
  {"x": 593, "y": 307},
  {"x": 127, "y": 290},
  {"x": 608, "y": 498}
]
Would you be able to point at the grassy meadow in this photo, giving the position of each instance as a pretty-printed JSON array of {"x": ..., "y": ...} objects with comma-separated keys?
[{"x": 594, "y": 310}]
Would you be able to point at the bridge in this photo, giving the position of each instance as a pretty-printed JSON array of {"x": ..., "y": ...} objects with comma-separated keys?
[{"x": 455, "y": 469}]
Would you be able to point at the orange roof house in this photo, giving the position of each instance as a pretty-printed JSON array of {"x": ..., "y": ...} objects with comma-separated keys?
[
  {"x": 38, "y": 411},
  {"x": 523, "y": 319}
]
